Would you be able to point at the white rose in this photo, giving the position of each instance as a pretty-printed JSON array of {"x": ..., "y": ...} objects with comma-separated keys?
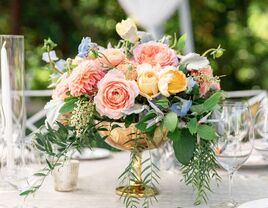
[{"x": 127, "y": 30}]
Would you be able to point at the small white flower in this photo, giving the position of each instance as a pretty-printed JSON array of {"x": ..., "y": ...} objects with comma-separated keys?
[
  {"x": 194, "y": 61},
  {"x": 52, "y": 54}
]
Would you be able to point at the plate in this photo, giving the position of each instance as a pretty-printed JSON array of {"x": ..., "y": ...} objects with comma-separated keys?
[
  {"x": 91, "y": 154},
  {"x": 261, "y": 203}
]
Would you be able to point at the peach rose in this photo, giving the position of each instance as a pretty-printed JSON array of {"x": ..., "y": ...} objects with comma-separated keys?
[
  {"x": 129, "y": 70},
  {"x": 155, "y": 53},
  {"x": 171, "y": 81},
  {"x": 115, "y": 94},
  {"x": 85, "y": 77},
  {"x": 147, "y": 80},
  {"x": 111, "y": 57}
]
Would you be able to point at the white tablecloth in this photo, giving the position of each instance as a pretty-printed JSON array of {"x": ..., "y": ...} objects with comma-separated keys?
[{"x": 98, "y": 179}]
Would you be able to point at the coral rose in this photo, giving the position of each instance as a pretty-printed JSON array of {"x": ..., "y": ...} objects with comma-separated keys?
[
  {"x": 111, "y": 57},
  {"x": 155, "y": 54},
  {"x": 147, "y": 80},
  {"x": 171, "y": 81},
  {"x": 115, "y": 94},
  {"x": 85, "y": 77}
]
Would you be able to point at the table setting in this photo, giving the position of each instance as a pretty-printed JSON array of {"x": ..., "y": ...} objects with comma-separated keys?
[{"x": 176, "y": 138}]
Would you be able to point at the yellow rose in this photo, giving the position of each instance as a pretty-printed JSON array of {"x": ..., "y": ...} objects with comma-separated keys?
[
  {"x": 171, "y": 81},
  {"x": 147, "y": 80},
  {"x": 127, "y": 30}
]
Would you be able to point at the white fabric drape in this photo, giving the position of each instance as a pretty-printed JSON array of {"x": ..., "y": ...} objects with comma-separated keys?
[{"x": 150, "y": 14}]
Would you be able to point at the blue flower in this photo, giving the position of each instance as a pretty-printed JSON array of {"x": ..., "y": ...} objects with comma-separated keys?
[
  {"x": 84, "y": 47},
  {"x": 60, "y": 64},
  {"x": 145, "y": 36},
  {"x": 181, "y": 108},
  {"x": 191, "y": 84}
]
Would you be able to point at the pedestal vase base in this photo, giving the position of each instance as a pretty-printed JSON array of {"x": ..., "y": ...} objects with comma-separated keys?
[{"x": 136, "y": 191}]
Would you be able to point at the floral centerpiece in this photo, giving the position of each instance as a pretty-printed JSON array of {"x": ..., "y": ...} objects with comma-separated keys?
[{"x": 135, "y": 95}]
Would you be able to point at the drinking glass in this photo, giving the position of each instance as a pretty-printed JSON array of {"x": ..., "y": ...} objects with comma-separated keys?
[
  {"x": 261, "y": 129},
  {"x": 234, "y": 142}
]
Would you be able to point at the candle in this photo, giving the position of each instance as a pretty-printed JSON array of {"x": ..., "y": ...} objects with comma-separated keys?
[{"x": 6, "y": 104}]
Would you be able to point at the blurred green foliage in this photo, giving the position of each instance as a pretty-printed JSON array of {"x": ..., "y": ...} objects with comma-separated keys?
[{"x": 241, "y": 27}]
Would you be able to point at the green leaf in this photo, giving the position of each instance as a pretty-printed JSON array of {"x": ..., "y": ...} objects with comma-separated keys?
[
  {"x": 27, "y": 192},
  {"x": 206, "y": 132},
  {"x": 40, "y": 174},
  {"x": 208, "y": 105},
  {"x": 212, "y": 101},
  {"x": 49, "y": 164},
  {"x": 170, "y": 121},
  {"x": 181, "y": 42},
  {"x": 163, "y": 102},
  {"x": 130, "y": 119},
  {"x": 199, "y": 109},
  {"x": 142, "y": 125},
  {"x": 192, "y": 125},
  {"x": 68, "y": 106},
  {"x": 183, "y": 145}
]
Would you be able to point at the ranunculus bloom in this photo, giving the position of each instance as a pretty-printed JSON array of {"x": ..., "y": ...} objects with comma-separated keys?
[
  {"x": 205, "y": 80},
  {"x": 155, "y": 54},
  {"x": 171, "y": 81},
  {"x": 127, "y": 30},
  {"x": 111, "y": 57},
  {"x": 85, "y": 77},
  {"x": 129, "y": 70},
  {"x": 115, "y": 93},
  {"x": 147, "y": 80}
]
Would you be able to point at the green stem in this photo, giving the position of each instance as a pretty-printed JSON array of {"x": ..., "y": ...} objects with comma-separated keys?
[{"x": 209, "y": 50}]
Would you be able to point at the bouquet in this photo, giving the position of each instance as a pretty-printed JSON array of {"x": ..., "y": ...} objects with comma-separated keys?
[{"x": 140, "y": 86}]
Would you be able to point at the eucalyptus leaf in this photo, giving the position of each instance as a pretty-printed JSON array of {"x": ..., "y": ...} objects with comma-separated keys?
[{"x": 170, "y": 121}]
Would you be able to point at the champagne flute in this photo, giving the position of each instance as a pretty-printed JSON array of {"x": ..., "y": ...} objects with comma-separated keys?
[{"x": 234, "y": 143}]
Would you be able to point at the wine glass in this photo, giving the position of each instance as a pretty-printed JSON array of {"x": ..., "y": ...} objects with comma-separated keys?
[
  {"x": 261, "y": 129},
  {"x": 234, "y": 142}
]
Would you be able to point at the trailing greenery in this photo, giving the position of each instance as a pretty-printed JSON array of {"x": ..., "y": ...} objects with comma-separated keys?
[
  {"x": 56, "y": 144},
  {"x": 200, "y": 170}
]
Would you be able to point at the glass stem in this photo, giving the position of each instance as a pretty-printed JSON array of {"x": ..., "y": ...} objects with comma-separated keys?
[{"x": 231, "y": 175}]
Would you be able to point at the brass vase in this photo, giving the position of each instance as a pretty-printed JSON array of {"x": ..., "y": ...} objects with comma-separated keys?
[{"x": 123, "y": 138}]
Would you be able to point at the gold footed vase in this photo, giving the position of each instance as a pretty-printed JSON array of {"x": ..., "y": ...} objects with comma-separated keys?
[
  {"x": 136, "y": 188},
  {"x": 125, "y": 138}
]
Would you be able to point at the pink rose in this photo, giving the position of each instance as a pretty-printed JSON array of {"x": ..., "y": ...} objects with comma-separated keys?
[
  {"x": 155, "y": 54},
  {"x": 115, "y": 94},
  {"x": 111, "y": 57},
  {"x": 85, "y": 77}
]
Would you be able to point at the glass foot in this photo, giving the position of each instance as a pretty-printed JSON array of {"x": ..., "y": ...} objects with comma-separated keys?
[
  {"x": 229, "y": 204},
  {"x": 136, "y": 191}
]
